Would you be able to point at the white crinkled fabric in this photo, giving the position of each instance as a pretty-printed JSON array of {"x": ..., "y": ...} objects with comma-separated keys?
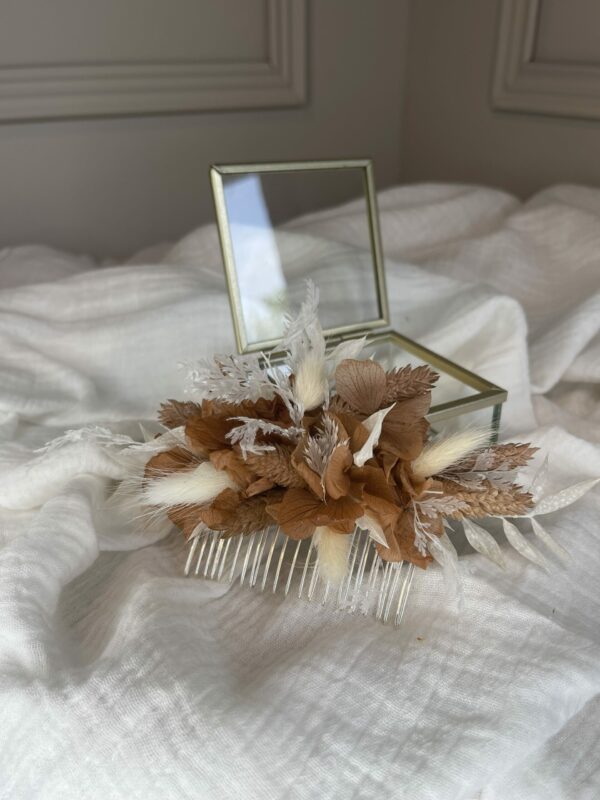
[{"x": 121, "y": 679}]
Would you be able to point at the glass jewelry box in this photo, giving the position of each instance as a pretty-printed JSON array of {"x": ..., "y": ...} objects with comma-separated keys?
[
  {"x": 269, "y": 253},
  {"x": 268, "y": 258}
]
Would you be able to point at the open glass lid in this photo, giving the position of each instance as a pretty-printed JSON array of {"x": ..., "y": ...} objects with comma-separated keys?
[
  {"x": 271, "y": 247},
  {"x": 268, "y": 258}
]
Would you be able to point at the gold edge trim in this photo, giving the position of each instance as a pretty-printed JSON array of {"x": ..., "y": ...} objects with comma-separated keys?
[
  {"x": 376, "y": 246},
  {"x": 292, "y": 166},
  {"x": 228, "y": 259},
  {"x": 472, "y": 403},
  {"x": 216, "y": 173}
]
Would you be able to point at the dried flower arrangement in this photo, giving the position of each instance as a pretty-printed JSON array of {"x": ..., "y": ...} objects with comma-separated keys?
[{"x": 324, "y": 444}]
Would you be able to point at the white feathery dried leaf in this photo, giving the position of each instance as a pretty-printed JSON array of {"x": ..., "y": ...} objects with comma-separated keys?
[
  {"x": 483, "y": 542},
  {"x": 438, "y": 456},
  {"x": 444, "y": 553},
  {"x": 423, "y": 535},
  {"x": 333, "y": 550},
  {"x": 538, "y": 484},
  {"x": 304, "y": 342},
  {"x": 562, "y": 499},
  {"x": 246, "y": 433},
  {"x": 231, "y": 378},
  {"x": 484, "y": 471},
  {"x": 373, "y": 528},
  {"x": 484, "y": 461},
  {"x": 132, "y": 455},
  {"x": 373, "y": 424},
  {"x": 92, "y": 434},
  {"x": 195, "y": 486},
  {"x": 320, "y": 447},
  {"x": 280, "y": 377},
  {"x": 477, "y": 481},
  {"x": 523, "y": 547},
  {"x": 349, "y": 349},
  {"x": 550, "y": 543},
  {"x": 303, "y": 333}
]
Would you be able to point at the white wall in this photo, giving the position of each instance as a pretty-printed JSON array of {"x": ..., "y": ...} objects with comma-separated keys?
[{"x": 111, "y": 184}]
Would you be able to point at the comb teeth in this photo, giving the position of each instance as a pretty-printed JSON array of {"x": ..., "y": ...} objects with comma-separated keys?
[{"x": 271, "y": 561}]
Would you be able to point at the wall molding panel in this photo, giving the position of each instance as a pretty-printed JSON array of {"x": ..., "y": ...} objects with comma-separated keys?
[
  {"x": 37, "y": 91},
  {"x": 523, "y": 83}
]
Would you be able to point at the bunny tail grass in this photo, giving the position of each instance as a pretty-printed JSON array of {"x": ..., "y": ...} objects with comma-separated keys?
[
  {"x": 195, "y": 486},
  {"x": 311, "y": 387},
  {"x": 333, "y": 549},
  {"x": 439, "y": 455}
]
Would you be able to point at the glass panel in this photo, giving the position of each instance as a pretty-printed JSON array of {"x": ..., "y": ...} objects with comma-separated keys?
[
  {"x": 388, "y": 350},
  {"x": 390, "y": 354},
  {"x": 273, "y": 256}
]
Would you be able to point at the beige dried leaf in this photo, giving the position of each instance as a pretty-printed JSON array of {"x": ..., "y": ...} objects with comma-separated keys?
[
  {"x": 488, "y": 502},
  {"x": 276, "y": 465},
  {"x": 408, "y": 382},
  {"x": 508, "y": 456},
  {"x": 361, "y": 384}
]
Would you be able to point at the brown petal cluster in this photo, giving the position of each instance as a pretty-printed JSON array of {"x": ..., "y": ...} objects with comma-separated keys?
[{"x": 304, "y": 476}]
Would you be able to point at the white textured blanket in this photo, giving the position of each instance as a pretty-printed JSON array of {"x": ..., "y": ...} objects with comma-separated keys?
[{"x": 121, "y": 679}]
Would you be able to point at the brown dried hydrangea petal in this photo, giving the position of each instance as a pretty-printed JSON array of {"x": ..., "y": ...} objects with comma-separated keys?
[
  {"x": 359, "y": 437},
  {"x": 342, "y": 526},
  {"x": 235, "y": 466},
  {"x": 360, "y": 384},
  {"x": 403, "y": 475},
  {"x": 258, "y": 487},
  {"x": 406, "y": 413},
  {"x": 336, "y": 478},
  {"x": 337, "y": 512},
  {"x": 342, "y": 432},
  {"x": 178, "y": 458},
  {"x": 174, "y": 413},
  {"x": 338, "y": 406},
  {"x": 379, "y": 498},
  {"x": 250, "y": 516},
  {"x": 374, "y": 482},
  {"x": 260, "y": 408},
  {"x": 293, "y": 513},
  {"x": 219, "y": 513},
  {"x": 206, "y": 434},
  {"x": 350, "y": 420},
  {"x": 299, "y": 513},
  {"x": 404, "y": 430},
  {"x": 185, "y": 517},
  {"x": 402, "y": 544}
]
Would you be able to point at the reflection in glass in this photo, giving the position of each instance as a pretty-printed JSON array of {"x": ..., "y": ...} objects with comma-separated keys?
[{"x": 274, "y": 257}]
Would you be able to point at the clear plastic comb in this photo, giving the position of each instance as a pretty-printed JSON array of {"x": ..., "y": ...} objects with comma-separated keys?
[{"x": 272, "y": 562}]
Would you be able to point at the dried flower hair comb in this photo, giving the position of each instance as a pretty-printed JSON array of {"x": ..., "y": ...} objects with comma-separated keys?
[{"x": 316, "y": 476}]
